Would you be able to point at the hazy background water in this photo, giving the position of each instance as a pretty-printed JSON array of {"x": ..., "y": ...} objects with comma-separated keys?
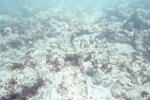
[{"x": 26, "y": 8}]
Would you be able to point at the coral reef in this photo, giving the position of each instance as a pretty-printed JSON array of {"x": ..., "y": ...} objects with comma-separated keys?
[{"x": 57, "y": 55}]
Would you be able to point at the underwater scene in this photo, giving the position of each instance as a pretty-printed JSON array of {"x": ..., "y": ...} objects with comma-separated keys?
[{"x": 74, "y": 49}]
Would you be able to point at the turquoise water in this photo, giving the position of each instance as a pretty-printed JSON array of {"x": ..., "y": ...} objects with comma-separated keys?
[
  {"x": 20, "y": 7},
  {"x": 28, "y": 8}
]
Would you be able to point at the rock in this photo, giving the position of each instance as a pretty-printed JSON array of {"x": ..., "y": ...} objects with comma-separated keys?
[{"x": 13, "y": 82}]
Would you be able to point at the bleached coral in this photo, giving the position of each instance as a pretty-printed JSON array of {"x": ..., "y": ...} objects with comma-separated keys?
[{"x": 75, "y": 57}]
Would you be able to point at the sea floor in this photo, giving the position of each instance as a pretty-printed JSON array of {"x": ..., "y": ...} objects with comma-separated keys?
[{"x": 60, "y": 55}]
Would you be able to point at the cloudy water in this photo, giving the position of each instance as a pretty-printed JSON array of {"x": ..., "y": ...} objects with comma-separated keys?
[{"x": 74, "y": 50}]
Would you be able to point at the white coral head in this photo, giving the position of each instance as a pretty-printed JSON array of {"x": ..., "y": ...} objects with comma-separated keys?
[{"x": 7, "y": 30}]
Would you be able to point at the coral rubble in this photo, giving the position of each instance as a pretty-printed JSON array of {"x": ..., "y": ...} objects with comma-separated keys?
[{"x": 58, "y": 55}]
